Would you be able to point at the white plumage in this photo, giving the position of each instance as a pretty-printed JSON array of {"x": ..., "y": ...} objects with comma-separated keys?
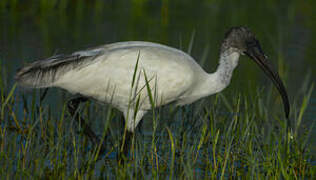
[
  {"x": 121, "y": 74},
  {"x": 171, "y": 74}
]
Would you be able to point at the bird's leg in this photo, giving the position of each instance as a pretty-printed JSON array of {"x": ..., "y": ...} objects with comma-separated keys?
[
  {"x": 131, "y": 121},
  {"x": 43, "y": 95},
  {"x": 72, "y": 108},
  {"x": 125, "y": 144}
]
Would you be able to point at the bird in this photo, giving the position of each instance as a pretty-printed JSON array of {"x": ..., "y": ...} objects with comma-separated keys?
[{"x": 136, "y": 76}]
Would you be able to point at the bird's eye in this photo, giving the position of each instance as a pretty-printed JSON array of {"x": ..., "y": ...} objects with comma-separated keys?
[{"x": 251, "y": 43}]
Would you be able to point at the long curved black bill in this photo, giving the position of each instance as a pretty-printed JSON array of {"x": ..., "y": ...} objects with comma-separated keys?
[{"x": 255, "y": 53}]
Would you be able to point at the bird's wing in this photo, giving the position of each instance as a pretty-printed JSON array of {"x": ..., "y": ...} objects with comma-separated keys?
[{"x": 43, "y": 73}]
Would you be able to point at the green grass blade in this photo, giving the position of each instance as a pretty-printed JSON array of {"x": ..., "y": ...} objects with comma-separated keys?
[
  {"x": 173, "y": 151},
  {"x": 150, "y": 95},
  {"x": 7, "y": 100}
]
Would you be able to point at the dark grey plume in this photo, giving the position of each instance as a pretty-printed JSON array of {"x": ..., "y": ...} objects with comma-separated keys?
[{"x": 44, "y": 73}]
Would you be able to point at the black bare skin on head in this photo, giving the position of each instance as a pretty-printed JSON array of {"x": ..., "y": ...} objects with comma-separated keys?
[
  {"x": 242, "y": 40},
  {"x": 239, "y": 38}
]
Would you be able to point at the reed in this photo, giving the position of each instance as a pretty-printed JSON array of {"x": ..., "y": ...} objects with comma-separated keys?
[{"x": 234, "y": 134}]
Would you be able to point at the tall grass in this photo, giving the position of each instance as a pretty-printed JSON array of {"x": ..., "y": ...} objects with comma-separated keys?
[
  {"x": 222, "y": 137},
  {"x": 236, "y": 135}
]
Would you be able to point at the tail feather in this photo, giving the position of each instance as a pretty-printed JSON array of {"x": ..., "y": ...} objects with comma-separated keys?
[{"x": 44, "y": 73}]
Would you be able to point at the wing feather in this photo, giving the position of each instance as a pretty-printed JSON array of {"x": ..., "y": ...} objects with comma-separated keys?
[{"x": 44, "y": 73}]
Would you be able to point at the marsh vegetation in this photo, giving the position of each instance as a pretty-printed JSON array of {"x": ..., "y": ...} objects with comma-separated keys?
[{"x": 240, "y": 132}]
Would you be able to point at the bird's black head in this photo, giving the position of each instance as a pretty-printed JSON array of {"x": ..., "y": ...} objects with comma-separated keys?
[
  {"x": 239, "y": 39},
  {"x": 243, "y": 41}
]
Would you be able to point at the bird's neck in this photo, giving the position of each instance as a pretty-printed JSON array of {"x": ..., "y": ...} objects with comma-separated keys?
[
  {"x": 220, "y": 79},
  {"x": 227, "y": 63},
  {"x": 214, "y": 82}
]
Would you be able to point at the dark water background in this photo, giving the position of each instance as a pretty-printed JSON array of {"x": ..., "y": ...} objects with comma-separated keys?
[{"x": 32, "y": 30}]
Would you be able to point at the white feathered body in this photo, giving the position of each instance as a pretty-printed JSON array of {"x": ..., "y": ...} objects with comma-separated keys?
[
  {"x": 129, "y": 75},
  {"x": 171, "y": 74}
]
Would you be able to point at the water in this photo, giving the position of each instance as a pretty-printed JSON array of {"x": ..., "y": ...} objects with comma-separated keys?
[{"x": 287, "y": 31}]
